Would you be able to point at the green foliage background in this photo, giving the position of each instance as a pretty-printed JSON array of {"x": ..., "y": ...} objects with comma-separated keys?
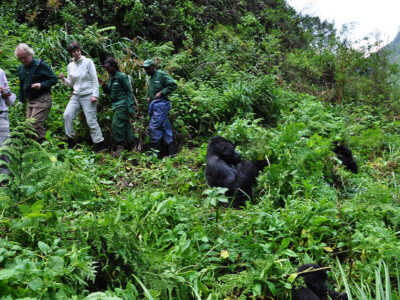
[{"x": 75, "y": 224}]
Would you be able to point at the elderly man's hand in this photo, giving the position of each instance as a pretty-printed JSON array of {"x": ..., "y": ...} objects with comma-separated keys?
[
  {"x": 4, "y": 92},
  {"x": 36, "y": 86}
]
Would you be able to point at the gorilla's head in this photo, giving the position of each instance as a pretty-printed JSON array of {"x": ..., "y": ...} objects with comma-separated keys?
[{"x": 225, "y": 150}]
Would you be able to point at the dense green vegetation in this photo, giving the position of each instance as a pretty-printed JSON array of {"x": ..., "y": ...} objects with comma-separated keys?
[{"x": 75, "y": 224}]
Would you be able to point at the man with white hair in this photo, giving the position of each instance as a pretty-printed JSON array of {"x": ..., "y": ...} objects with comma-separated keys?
[{"x": 36, "y": 79}]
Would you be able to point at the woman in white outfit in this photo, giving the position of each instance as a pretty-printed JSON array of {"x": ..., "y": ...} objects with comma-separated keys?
[
  {"x": 82, "y": 77},
  {"x": 6, "y": 99}
]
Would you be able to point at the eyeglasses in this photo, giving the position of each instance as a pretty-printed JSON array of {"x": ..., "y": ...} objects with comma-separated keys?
[{"x": 24, "y": 58}]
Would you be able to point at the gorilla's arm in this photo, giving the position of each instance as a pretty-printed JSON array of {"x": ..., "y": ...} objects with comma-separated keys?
[
  {"x": 304, "y": 294},
  {"x": 246, "y": 174},
  {"x": 336, "y": 296},
  {"x": 219, "y": 173},
  {"x": 260, "y": 164}
]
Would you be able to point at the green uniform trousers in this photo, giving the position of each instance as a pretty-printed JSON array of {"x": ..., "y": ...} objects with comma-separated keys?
[{"x": 122, "y": 129}]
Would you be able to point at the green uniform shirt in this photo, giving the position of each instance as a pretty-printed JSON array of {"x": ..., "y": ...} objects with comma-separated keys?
[
  {"x": 120, "y": 91},
  {"x": 161, "y": 81},
  {"x": 35, "y": 74}
]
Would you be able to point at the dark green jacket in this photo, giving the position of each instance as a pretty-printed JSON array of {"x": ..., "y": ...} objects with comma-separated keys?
[
  {"x": 161, "y": 81},
  {"x": 35, "y": 74},
  {"x": 120, "y": 91}
]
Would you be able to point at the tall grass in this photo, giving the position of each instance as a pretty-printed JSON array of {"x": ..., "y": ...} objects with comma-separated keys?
[{"x": 380, "y": 290}]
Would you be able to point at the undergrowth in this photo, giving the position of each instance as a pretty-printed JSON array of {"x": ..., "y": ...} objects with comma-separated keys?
[{"x": 96, "y": 225}]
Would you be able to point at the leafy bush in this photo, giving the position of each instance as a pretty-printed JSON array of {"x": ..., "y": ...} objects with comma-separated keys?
[{"x": 46, "y": 272}]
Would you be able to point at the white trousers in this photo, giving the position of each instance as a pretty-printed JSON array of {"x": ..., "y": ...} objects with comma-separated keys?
[
  {"x": 89, "y": 109},
  {"x": 4, "y": 133}
]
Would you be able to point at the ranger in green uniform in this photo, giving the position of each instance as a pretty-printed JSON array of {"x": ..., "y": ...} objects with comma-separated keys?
[
  {"x": 120, "y": 92},
  {"x": 161, "y": 85}
]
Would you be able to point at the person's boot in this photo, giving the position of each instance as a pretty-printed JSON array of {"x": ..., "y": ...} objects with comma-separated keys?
[
  {"x": 71, "y": 143},
  {"x": 131, "y": 147},
  {"x": 118, "y": 149},
  {"x": 171, "y": 150},
  {"x": 98, "y": 147}
]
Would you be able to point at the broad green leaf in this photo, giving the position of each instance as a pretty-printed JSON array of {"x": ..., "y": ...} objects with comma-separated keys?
[
  {"x": 290, "y": 253},
  {"x": 43, "y": 247},
  {"x": 36, "y": 284},
  {"x": 257, "y": 290},
  {"x": 8, "y": 274},
  {"x": 285, "y": 243},
  {"x": 56, "y": 264},
  {"x": 272, "y": 287}
]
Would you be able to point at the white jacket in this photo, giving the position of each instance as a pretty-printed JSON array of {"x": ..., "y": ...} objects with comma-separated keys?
[
  {"x": 82, "y": 77},
  {"x": 4, "y": 104}
]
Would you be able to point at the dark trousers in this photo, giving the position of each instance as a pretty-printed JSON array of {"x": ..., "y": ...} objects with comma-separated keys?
[
  {"x": 122, "y": 128},
  {"x": 38, "y": 109},
  {"x": 159, "y": 127}
]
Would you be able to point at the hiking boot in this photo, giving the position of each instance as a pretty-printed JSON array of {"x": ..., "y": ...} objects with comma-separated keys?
[
  {"x": 131, "y": 147},
  {"x": 171, "y": 150},
  {"x": 118, "y": 150},
  {"x": 71, "y": 143},
  {"x": 98, "y": 147}
]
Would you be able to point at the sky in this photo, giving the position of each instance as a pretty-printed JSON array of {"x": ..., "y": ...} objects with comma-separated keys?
[{"x": 366, "y": 17}]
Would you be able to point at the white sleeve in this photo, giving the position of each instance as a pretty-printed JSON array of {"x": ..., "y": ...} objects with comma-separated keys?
[
  {"x": 11, "y": 99},
  {"x": 68, "y": 82},
  {"x": 3, "y": 81},
  {"x": 93, "y": 78}
]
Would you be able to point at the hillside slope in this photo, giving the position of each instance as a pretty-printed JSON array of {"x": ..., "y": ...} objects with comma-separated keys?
[{"x": 393, "y": 49}]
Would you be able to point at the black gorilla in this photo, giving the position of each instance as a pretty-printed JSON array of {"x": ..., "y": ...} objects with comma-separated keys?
[
  {"x": 316, "y": 286},
  {"x": 346, "y": 156},
  {"x": 225, "y": 168}
]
